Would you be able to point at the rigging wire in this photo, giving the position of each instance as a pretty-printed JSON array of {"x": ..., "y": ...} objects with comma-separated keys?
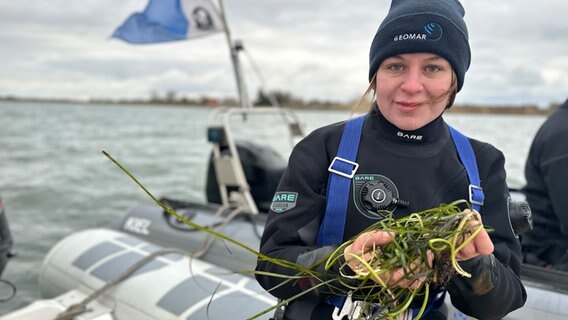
[{"x": 263, "y": 85}]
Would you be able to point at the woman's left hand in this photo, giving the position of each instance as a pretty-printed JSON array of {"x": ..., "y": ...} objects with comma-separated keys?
[{"x": 481, "y": 245}]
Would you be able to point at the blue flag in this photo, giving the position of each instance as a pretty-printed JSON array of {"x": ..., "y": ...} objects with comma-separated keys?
[{"x": 170, "y": 20}]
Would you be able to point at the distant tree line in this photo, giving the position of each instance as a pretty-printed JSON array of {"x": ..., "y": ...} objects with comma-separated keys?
[
  {"x": 282, "y": 98},
  {"x": 286, "y": 99},
  {"x": 503, "y": 109}
]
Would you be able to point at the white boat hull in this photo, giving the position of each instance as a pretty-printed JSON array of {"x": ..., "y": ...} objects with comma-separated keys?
[{"x": 171, "y": 286}]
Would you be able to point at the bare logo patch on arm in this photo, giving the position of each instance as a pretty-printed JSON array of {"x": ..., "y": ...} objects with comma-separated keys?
[{"x": 284, "y": 201}]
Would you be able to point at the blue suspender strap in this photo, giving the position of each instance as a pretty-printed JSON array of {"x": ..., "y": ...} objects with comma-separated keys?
[
  {"x": 467, "y": 157},
  {"x": 342, "y": 169}
]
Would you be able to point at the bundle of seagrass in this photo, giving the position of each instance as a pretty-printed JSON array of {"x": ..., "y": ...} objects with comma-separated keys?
[{"x": 424, "y": 248}]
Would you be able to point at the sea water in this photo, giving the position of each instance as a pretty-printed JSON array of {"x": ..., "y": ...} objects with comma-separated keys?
[{"x": 54, "y": 180}]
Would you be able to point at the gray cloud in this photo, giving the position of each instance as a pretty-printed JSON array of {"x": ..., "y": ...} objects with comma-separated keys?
[{"x": 316, "y": 49}]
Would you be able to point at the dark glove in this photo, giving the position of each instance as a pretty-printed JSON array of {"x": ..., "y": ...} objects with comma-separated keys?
[{"x": 483, "y": 275}]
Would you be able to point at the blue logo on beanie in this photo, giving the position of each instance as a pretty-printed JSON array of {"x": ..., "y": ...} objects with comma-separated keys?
[{"x": 434, "y": 31}]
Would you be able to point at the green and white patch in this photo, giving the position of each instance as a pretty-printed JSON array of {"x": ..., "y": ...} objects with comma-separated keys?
[{"x": 284, "y": 201}]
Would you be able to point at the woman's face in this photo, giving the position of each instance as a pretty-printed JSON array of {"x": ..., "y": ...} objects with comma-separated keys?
[{"x": 409, "y": 88}]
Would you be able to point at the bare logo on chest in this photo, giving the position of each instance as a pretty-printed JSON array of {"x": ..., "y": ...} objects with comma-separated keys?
[{"x": 409, "y": 136}]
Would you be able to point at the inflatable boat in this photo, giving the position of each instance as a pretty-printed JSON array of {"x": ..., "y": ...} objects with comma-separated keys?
[
  {"x": 168, "y": 284},
  {"x": 150, "y": 265}
]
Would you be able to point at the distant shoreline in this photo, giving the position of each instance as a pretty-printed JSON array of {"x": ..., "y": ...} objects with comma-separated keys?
[{"x": 211, "y": 103}]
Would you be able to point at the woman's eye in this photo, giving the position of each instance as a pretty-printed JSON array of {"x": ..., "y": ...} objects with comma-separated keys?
[
  {"x": 432, "y": 68},
  {"x": 396, "y": 67}
]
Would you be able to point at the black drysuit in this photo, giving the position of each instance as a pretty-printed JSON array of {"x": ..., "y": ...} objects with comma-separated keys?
[
  {"x": 424, "y": 167},
  {"x": 546, "y": 172}
]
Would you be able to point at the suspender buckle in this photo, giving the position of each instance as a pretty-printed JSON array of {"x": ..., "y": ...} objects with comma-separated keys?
[
  {"x": 475, "y": 195},
  {"x": 351, "y": 309},
  {"x": 342, "y": 170}
]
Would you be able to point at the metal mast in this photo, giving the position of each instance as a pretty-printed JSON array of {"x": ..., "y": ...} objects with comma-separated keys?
[{"x": 234, "y": 49}]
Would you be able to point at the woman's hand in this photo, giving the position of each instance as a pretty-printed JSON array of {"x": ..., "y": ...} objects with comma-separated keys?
[
  {"x": 365, "y": 246},
  {"x": 481, "y": 245}
]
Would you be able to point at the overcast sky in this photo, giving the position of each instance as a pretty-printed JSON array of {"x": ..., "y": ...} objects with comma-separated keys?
[{"x": 315, "y": 49}]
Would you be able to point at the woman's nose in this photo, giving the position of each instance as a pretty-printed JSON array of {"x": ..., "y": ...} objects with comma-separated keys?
[{"x": 412, "y": 82}]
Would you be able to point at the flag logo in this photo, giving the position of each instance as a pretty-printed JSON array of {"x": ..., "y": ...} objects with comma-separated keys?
[{"x": 202, "y": 19}]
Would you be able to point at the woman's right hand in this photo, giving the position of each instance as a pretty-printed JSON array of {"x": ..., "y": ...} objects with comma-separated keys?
[{"x": 364, "y": 247}]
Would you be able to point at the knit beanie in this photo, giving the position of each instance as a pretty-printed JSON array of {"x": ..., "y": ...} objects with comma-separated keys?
[{"x": 434, "y": 26}]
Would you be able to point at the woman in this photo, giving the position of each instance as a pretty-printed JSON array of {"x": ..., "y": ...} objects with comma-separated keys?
[{"x": 406, "y": 156}]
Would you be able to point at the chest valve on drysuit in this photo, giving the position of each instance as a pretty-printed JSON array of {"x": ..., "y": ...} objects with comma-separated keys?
[{"x": 378, "y": 197}]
